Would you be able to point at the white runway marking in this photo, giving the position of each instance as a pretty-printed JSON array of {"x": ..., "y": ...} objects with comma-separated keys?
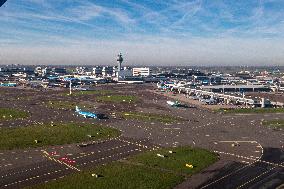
[
  {"x": 257, "y": 159},
  {"x": 251, "y": 180}
]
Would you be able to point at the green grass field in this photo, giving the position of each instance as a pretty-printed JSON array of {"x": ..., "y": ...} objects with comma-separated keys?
[
  {"x": 117, "y": 99},
  {"x": 253, "y": 110},
  {"x": 151, "y": 117},
  {"x": 116, "y": 176},
  {"x": 52, "y": 134},
  {"x": 176, "y": 161},
  {"x": 94, "y": 92},
  {"x": 274, "y": 123},
  {"x": 9, "y": 114},
  {"x": 64, "y": 105},
  {"x": 143, "y": 171},
  {"x": 67, "y": 105}
]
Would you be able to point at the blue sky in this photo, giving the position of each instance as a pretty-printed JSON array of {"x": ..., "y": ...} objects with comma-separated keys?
[{"x": 169, "y": 32}]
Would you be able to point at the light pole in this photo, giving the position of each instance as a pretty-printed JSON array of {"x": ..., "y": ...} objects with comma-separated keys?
[{"x": 70, "y": 87}]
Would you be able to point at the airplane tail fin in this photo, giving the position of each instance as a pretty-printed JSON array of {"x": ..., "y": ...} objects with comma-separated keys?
[{"x": 77, "y": 109}]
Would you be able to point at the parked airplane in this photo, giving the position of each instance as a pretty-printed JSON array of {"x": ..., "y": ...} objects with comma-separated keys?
[
  {"x": 195, "y": 97},
  {"x": 86, "y": 114},
  {"x": 80, "y": 88},
  {"x": 210, "y": 101},
  {"x": 8, "y": 84},
  {"x": 172, "y": 103},
  {"x": 176, "y": 104}
]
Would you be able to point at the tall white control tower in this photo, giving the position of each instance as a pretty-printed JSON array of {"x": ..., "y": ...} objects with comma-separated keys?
[{"x": 119, "y": 61}]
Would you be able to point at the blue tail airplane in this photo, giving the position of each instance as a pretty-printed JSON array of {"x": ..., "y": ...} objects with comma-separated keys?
[{"x": 86, "y": 114}]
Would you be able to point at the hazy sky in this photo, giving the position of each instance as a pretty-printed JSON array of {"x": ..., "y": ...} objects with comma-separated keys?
[{"x": 150, "y": 32}]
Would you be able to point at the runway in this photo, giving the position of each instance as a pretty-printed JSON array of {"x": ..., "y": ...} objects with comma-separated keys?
[
  {"x": 267, "y": 172},
  {"x": 54, "y": 167}
]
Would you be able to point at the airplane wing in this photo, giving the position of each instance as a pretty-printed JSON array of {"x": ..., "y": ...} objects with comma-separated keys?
[
  {"x": 2, "y": 2},
  {"x": 170, "y": 103},
  {"x": 90, "y": 115}
]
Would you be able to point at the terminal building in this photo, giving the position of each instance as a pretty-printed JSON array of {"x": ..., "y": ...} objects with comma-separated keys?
[
  {"x": 59, "y": 71},
  {"x": 46, "y": 71},
  {"x": 236, "y": 88},
  {"x": 144, "y": 72},
  {"x": 98, "y": 71},
  {"x": 107, "y": 71}
]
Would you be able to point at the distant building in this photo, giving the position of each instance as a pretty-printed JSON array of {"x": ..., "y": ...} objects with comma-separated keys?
[
  {"x": 244, "y": 75},
  {"x": 46, "y": 71},
  {"x": 81, "y": 70},
  {"x": 126, "y": 68},
  {"x": 107, "y": 71},
  {"x": 236, "y": 88},
  {"x": 38, "y": 71},
  {"x": 122, "y": 74},
  {"x": 144, "y": 72},
  {"x": 265, "y": 79},
  {"x": 281, "y": 87},
  {"x": 98, "y": 70},
  {"x": 59, "y": 71}
]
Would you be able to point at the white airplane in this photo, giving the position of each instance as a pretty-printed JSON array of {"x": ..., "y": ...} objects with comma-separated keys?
[
  {"x": 176, "y": 104},
  {"x": 172, "y": 103},
  {"x": 210, "y": 101}
]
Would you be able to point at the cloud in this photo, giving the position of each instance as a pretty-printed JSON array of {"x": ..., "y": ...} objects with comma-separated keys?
[
  {"x": 88, "y": 11},
  {"x": 149, "y": 32}
]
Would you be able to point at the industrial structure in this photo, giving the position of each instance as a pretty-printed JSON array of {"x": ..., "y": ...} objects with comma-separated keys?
[{"x": 119, "y": 61}]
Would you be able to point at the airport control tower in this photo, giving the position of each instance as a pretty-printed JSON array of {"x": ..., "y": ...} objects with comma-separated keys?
[{"x": 119, "y": 61}]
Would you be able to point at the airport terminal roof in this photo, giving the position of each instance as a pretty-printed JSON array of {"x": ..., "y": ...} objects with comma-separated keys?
[{"x": 234, "y": 86}]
